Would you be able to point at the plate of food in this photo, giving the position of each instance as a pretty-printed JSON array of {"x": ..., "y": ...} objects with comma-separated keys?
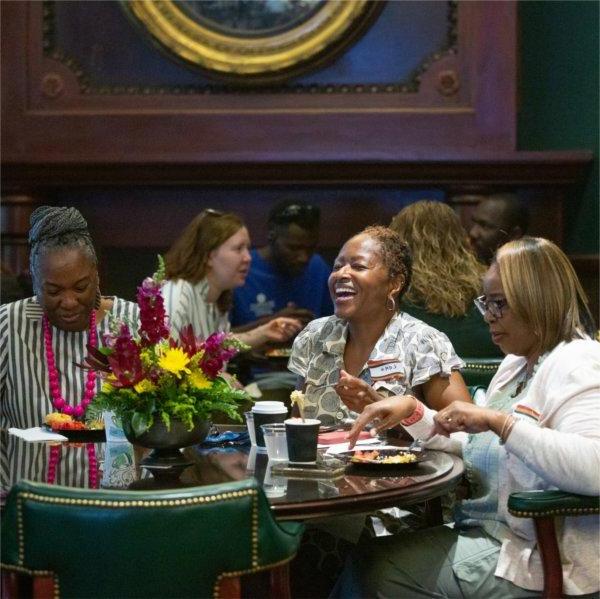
[
  {"x": 75, "y": 431},
  {"x": 397, "y": 457}
]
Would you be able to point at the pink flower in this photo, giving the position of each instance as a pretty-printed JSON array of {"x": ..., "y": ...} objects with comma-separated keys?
[
  {"x": 124, "y": 359},
  {"x": 153, "y": 326}
]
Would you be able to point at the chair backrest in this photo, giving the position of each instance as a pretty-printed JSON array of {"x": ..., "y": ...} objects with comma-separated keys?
[
  {"x": 479, "y": 371},
  {"x": 176, "y": 543}
]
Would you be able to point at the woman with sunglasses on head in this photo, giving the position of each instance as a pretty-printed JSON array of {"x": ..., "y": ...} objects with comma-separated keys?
[
  {"x": 370, "y": 349},
  {"x": 539, "y": 429},
  {"x": 204, "y": 265}
]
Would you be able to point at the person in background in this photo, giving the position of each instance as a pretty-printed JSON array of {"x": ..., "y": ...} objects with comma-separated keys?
[
  {"x": 539, "y": 429},
  {"x": 42, "y": 341},
  {"x": 446, "y": 277},
  {"x": 497, "y": 219},
  {"x": 203, "y": 266},
  {"x": 369, "y": 342},
  {"x": 286, "y": 277}
]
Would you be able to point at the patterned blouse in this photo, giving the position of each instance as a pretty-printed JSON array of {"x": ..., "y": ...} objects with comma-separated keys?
[
  {"x": 24, "y": 388},
  {"x": 407, "y": 355},
  {"x": 186, "y": 303}
]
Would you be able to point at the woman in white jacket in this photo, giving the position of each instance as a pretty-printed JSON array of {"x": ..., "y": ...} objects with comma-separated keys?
[{"x": 539, "y": 429}]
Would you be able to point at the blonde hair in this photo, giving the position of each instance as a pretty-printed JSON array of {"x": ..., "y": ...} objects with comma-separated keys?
[
  {"x": 446, "y": 274},
  {"x": 542, "y": 289}
]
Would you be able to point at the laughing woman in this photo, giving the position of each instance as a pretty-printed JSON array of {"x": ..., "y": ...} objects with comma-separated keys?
[
  {"x": 370, "y": 349},
  {"x": 204, "y": 265},
  {"x": 540, "y": 429}
]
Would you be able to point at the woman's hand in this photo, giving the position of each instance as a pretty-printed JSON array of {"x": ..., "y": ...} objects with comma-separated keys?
[
  {"x": 281, "y": 329},
  {"x": 387, "y": 413},
  {"x": 462, "y": 416},
  {"x": 354, "y": 392},
  {"x": 278, "y": 330}
]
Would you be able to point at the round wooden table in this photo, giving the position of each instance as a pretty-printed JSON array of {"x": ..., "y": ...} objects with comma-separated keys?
[{"x": 358, "y": 489}]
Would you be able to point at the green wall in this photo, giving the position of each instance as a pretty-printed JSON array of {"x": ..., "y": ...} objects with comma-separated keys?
[{"x": 559, "y": 97}]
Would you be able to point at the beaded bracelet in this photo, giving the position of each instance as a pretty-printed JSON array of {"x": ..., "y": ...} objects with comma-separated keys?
[
  {"x": 415, "y": 415},
  {"x": 507, "y": 427}
]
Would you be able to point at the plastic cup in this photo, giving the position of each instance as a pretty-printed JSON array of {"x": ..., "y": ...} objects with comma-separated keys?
[
  {"x": 302, "y": 440},
  {"x": 275, "y": 442},
  {"x": 250, "y": 426},
  {"x": 274, "y": 486},
  {"x": 267, "y": 412}
]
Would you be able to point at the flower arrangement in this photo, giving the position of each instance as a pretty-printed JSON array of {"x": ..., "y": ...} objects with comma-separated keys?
[{"x": 155, "y": 375}]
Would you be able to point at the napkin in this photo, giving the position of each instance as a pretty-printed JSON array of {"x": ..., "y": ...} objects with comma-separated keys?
[{"x": 36, "y": 435}]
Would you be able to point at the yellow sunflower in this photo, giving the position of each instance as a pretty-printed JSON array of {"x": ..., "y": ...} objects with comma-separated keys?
[
  {"x": 174, "y": 360},
  {"x": 198, "y": 380}
]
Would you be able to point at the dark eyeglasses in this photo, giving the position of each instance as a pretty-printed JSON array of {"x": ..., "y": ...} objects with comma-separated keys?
[{"x": 494, "y": 307}]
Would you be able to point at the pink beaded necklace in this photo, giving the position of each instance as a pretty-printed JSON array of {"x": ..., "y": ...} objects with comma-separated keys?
[{"x": 61, "y": 405}]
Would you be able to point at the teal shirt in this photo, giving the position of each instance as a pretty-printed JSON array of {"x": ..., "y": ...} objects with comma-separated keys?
[{"x": 468, "y": 334}]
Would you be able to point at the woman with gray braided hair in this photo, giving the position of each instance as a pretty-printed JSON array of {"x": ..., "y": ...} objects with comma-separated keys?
[{"x": 42, "y": 341}]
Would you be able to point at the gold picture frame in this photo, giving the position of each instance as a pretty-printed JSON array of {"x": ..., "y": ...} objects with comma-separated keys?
[{"x": 255, "y": 55}]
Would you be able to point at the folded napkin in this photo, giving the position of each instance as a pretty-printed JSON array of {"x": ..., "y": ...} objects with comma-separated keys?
[{"x": 36, "y": 434}]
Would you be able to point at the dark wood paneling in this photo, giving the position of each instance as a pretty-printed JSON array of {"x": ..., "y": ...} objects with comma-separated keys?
[{"x": 52, "y": 121}]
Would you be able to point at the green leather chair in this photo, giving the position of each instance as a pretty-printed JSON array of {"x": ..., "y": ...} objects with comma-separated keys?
[
  {"x": 192, "y": 542},
  {"x": 543, "y": 507},
  {"x": 478, "y": 372}
]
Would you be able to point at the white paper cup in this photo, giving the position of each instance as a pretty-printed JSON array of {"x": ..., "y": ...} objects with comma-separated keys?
[{"x": 267, "y": 412}]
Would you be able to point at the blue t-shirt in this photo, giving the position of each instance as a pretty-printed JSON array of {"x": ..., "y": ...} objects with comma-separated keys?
[{"x": 266, "y": 290}]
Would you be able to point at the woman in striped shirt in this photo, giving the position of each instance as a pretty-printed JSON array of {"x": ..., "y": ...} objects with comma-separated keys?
[
  {"x": 209, "y": 259},
  {"x": 43, "y": 338}
]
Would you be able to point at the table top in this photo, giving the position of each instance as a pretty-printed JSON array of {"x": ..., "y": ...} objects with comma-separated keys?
[{"x": 357, "y": 490}]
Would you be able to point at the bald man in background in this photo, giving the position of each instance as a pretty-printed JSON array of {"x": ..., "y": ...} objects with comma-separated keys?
[{"x": 497, "y": 219}]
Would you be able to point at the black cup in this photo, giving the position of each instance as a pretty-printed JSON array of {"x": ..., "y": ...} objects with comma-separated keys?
[
  {"x": 302, "y": 438},
  {"x": 261, "y": 418}
]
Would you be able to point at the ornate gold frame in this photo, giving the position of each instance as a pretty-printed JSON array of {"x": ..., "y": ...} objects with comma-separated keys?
[{"x": 271, "y": 58}]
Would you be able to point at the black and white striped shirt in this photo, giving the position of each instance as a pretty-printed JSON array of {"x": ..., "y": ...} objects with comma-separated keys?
[{"x": 24, "y": 388}]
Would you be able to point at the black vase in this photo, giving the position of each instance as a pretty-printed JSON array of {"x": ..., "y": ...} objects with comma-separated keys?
[{"x": 166, "y": 461}]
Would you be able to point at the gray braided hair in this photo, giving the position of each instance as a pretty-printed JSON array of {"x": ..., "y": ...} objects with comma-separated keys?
[{"x": 56, "y": 227}]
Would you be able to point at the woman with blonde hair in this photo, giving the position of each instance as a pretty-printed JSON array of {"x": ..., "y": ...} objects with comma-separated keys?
[
  {"x": 446, "y": 276},
  {"x": 539, "y": 429},
  {"x": 204, "y": 265}
]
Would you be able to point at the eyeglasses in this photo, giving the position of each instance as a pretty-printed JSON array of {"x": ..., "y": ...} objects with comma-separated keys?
[{"x": 494, "y": 307}]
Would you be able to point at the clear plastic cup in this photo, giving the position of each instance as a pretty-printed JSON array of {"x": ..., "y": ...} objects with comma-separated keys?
[
  {"x": 250, "y": 426},
  {"x": 275, "y": 442}
]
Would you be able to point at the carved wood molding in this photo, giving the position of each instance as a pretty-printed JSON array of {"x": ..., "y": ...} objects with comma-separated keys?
[{"x": 540, "y": 169}]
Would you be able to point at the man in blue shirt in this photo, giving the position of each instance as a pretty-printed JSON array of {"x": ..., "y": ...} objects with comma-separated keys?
[{"x": 286, "y": 276}]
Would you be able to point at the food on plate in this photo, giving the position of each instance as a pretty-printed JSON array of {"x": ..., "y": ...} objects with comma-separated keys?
[
  {"x": 64, "y": 422},
  {"x": 373, "y": 456},
  {"x": 281, "y": 352}
]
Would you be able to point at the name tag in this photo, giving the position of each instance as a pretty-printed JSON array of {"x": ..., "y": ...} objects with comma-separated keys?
[{"x": 385, "y": 370}]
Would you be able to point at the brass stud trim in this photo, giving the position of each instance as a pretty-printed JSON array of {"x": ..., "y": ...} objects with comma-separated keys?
[
  {"x": 554, "y": 512},
  {"x": 253, "y": 570},
  {"x": 120, "y": 503}
]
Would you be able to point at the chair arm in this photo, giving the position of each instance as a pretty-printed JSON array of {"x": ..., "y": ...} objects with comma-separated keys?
[{"x": 537, "y": 504}]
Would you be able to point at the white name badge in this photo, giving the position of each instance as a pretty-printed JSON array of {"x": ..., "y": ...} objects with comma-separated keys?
[{"x": 385, "y": 370}]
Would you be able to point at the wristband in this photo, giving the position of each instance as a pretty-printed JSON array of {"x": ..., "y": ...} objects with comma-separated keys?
[
  {"x": 415, "y": 415},
  {"x": 507, "y": 427}
]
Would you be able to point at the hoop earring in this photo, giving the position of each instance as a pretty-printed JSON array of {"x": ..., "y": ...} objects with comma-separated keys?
[{"x": 390, "y": 299}]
